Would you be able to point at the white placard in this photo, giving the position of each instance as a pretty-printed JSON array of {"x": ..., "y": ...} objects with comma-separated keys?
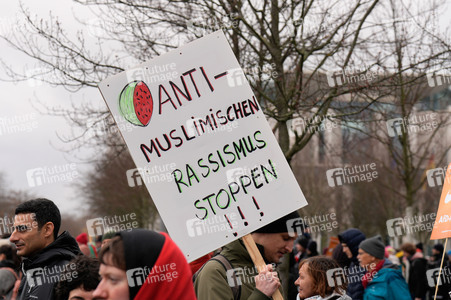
[{"x": 202, "y": 145}]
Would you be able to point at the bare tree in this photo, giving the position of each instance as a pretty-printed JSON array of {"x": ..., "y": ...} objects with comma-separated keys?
[
  {"x": 281, "y": 46},
  {"x": 109, "y": 192}
]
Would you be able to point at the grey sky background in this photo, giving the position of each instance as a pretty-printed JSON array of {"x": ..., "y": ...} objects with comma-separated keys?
[{"x": 28, "y": 139}]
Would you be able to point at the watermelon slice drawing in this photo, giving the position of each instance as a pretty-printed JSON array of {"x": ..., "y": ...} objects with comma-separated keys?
[{"x": 136, "y": 103}]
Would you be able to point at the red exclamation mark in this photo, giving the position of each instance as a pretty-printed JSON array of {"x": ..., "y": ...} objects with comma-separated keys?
[
  {"x": 242, "y": 216},
  {"x": 230, "y": 224},
  {"x": 258, "y": 207},
  {"x": 231, "y": 227}
]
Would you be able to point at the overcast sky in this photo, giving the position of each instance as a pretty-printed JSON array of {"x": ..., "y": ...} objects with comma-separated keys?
[{"x": 29, "y": 145}]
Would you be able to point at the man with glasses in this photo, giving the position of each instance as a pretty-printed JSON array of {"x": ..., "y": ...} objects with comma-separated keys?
[{"x": 45, "y": 254}]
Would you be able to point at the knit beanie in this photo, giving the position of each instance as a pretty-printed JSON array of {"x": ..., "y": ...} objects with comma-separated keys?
[
  {"x": 279, "y": 225},
  {"x": 374, "y": 247},
  {"x": 82, "y": 238}
]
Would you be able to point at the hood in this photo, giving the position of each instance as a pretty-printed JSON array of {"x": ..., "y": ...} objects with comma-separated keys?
[
  {"x": 388, "y": 269},
  {"x": 352, "y": 238},
  {"x": 63, "y": 248},
  {"x": 156, "y": 267},
  {"x": 389, "y": 265}
]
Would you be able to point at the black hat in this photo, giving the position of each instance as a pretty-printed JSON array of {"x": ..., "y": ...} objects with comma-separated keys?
[
  {"x": 374, "y": 246},
  {"x": 279, "y": 225},
  {"x": 439, "y": 248},
  {"x": 303, "y": 241}
]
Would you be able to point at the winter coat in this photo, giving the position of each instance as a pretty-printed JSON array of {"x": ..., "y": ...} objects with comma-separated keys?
[
  {"x": 388, "y": 284},
  {"x": 36, "y": 284},
  {"x": 334, "y": 296},
  {"x": 352, "y": 238},
  {"x": 445, "y": 286},
  {"x": 213, "y": 282},
  {"x": 418, "y": 284}
]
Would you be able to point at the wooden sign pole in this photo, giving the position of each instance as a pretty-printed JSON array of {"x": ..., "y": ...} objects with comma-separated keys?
[
  {"x": 440, "y": 271},
  {"x": 257, "y": 259}
]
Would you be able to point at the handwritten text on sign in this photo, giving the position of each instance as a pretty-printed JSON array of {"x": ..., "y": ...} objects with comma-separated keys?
[{"x": 230, "y": 176}]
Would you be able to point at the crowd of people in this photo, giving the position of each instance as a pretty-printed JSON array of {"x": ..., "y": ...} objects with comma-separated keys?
[{"x": 36, "y": 262}]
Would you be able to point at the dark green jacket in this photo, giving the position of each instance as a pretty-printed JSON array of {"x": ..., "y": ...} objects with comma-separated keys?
[{"x": 214, "y": 283}]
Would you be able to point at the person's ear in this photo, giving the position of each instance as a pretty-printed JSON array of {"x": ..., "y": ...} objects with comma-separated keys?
[{"x": 48, "y": 229}]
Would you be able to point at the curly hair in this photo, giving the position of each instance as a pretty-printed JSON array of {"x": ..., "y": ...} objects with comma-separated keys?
[
  {"x": 317, "y": 268},
  {"x": 88, "y": 277}
]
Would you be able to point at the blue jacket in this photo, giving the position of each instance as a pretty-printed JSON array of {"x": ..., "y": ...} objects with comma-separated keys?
[{"x": 387, "y": 284}]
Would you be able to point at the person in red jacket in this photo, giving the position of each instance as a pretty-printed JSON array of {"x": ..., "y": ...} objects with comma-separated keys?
[{"x": 141, "y": 265}]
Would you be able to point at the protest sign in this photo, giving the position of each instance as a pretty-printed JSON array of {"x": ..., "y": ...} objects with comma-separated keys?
[
  {"x": 442, "y": 225},
  {"x": 193, "y": 109}
]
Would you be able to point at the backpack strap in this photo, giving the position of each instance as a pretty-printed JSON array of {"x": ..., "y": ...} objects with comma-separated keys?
[{"x": 236, "y": 290}]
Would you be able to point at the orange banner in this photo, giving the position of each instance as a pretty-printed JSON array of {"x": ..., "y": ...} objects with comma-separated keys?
[{"x": 442, "y": 226}]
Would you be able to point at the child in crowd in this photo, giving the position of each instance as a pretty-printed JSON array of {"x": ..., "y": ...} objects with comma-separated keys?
[{"x": 316, "y": 283}]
